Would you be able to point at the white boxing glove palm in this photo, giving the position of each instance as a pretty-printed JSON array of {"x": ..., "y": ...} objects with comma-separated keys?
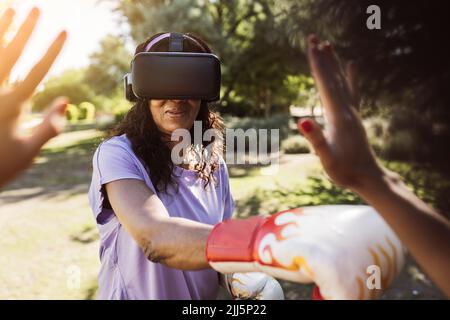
[{"x": 252, "y": 286}]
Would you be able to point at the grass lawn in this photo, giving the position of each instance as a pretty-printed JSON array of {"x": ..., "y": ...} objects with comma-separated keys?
[{"x": 49, "y": 240}]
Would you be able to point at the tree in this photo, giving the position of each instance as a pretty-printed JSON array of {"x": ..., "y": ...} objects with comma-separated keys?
[
  {"x": 69, "y": 84},
  {"x": 240, "y": 32},
  {"x": 404, "y": 66},
  {"x": 108, "y": 65}
]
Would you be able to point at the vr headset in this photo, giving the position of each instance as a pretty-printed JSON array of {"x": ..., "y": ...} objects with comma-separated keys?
[{"x": 174, "y": 74}]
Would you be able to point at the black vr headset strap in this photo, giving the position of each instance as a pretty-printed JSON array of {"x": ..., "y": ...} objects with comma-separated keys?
[{"x": 176, "y": 42}]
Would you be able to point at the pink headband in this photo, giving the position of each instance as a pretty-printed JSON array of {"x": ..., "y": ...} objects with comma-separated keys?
[{"x": 166, "y": 35}]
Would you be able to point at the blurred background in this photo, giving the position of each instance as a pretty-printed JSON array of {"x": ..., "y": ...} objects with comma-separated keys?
[{"x": 49, "y": 240}]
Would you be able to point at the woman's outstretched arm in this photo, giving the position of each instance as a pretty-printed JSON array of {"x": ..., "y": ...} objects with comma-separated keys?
[
  {"x": 175, "y": 242},
  {"x": 349, "y": 161}
]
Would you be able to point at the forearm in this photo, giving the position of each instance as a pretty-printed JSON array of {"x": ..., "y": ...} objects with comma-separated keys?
[
  {"x": 175, "y": 242},
  {"x": 424, "y": 232},
  {"x": 178, "y": 243}
]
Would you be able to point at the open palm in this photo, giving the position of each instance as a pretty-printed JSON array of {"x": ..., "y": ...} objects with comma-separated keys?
[
  {"x": 343, "y": 149},
  {"x": 17, "y": 151}
]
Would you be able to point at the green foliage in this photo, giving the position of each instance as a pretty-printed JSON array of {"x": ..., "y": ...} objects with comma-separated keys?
[
  {"x": 295, "y": 144},
  {"x": 317, "y": 191},
  {"x": 87, "y": 111},
  {"x": 115, "y": 104},
  {"x": 403, "y": 68},
  {"x": 72, "y": 113},
  {"x": 426, "y": 182},
  {"x": 280, "y": 122},
  {"x": 399, "y": 146},
  {"x": 69, "y": 84},
  {"x": 301, "y": 90},
  {"x": 108, "y": 65},
  {"x": 377, "y": 133},
  {"x": 392, "y": 138},
  {"x": 99, "y": 84},
  {"x": 120, "y": 109},
  {"x": 240, "y": 32}
]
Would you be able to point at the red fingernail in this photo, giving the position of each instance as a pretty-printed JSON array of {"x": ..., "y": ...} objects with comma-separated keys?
[
  {"x": 306, "y": 126},
  {"x": 313, "y": 38},
  {"x": 327, "y": 46}
]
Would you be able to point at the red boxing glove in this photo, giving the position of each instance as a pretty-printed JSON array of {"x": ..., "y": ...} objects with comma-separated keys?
[
  {"x": 316, "y": 294},
  {"x": 348, "y": 251}
]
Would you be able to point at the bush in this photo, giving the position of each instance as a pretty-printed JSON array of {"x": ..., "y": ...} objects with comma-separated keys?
[
  {"x": 426, "y": 182},
  {"x": 399, "y": 146},
  {"x": 236, "y": 109},
  {"x": 120, "y": 109},
  {"x": 69, "y": 84},
  {"x": 116, "y": 105},
  {"x": 295, "y": 144},
  {"x": 280, "y": 122},
  {"x": 376, "y": 130},
  {"x": 86, "y": 111},
  {"x": 72, "y": 113}
]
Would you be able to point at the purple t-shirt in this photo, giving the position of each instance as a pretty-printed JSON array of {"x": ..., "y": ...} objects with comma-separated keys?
[{"x": 125, "y": 272}]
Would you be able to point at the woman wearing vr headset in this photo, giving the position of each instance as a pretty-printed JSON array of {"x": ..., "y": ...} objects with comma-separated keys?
[
  {"x": 180, "y": 243},
  {"x": 151, "y": 213},
  {"x": 156, "y": 218}
]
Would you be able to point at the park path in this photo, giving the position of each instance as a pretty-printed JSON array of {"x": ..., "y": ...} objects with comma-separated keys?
[
  {"x": 48, "y": 237},
  {"x": 49, "y": 241}
]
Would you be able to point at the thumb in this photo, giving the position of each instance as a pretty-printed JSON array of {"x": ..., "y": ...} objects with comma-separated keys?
[
  {"x": 254, "y": 286},
  {"x": 55, "y": 118},
  {"x": 272, "y": 290},
  {"x": 51, "y": 126},
  {"x": 314, "y": 134}
]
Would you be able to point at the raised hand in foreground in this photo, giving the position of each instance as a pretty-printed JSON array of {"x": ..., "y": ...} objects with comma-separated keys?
[
  {"x": 17, "y": 150},
  {"x": 349, "y": 161}
]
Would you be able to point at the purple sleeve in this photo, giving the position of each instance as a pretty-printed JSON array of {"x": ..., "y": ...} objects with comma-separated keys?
[
  {"x": 229, "y": 204},
  {"x": 115, "y": 162},
  {"x": 111, "y": 162}
]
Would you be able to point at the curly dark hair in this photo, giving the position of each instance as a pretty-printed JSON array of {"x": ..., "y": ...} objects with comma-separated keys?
[{"x": 148, "y": 141}]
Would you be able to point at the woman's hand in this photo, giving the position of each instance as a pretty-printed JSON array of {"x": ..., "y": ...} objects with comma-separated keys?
[
  {"x": 17, "y": 152},
  {"x": 349, "y": 161},
  {"x": 343, "y": 150}
]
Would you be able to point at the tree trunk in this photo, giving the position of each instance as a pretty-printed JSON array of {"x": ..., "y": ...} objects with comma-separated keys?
[{"x": 268, "y": 103}]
